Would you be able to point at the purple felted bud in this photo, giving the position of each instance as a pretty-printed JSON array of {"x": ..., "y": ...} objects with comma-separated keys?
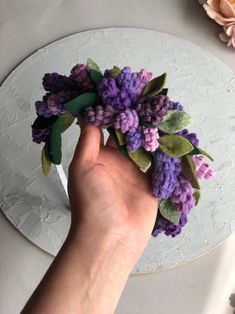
[
  {"x": 153, "y": 108},
  {"x": 169, "y": 229},
  {"x": 80, "y": 74},
  {"x": 176, "y": 106},
  {"x": 42, "y": 109},
  {"x": 192, "y": 137},
  {"x": 127, "y": 121},
  {"x": 100, "y": 116},
  {"x": 144, "y": 77},
  {"x": 182, "y": 195},
  {"x": 127, "y": 80},
  {"x": 40, "y": 135},
  {"x": 56, "y": 104},
  {"x": 150, "y": 139},
  {"x": 54, "y": 82},
  {"x": 165, "y": 178},
  {"x": 134, "y": 139}
]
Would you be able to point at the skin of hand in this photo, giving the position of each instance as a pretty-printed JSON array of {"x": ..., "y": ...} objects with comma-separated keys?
[
  {"x": 109, "y": 194},
  {"x": 112, "y": 216}
]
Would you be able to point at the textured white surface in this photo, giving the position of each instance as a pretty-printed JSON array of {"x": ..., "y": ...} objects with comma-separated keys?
[{"x": 38, "y": 207}]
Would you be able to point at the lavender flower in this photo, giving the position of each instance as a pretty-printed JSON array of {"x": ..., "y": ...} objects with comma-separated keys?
[
  {"x": 150, "y": 139},
  {"x": 192, "y": 137},
  {"x": 42, "y": 109},
  {"x": 100, "y": 116},
  {"x": 134, "y": 139},
  {"x": 127, "y": 121},
  {"x": 165, "y": 178},
  {"x": 80, "y": 74},
  {"x": 56, "y": 102},
  {"x": 144, "y": 77},
  {"x": 182, "y": 195},
  {"x": 40, "y": 135},
  {"x": 176, "y": 106},
  {"x": 169, "y": 229},
  {"x": 153, "y": 108}
]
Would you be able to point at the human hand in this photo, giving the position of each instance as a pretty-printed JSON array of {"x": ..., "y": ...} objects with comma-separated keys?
[{"x": 109, "y": 195}]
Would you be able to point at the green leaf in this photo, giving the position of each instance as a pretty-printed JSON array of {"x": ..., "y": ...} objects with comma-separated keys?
[
  {"x": 47, "y": 151},
  {"x": 96, "y": 76},
  {"x": 92, "y": 65},
  {"x": 44, "y": 123},
  {"x": 154, "y": 86},
  {"x": 77, "y": 105},
  {"x": 68, "y": 121},
  {"x": 46, "y": 164},
  {"x": 154, "y": 160},
  {"x": 175, "y": 145},
  {"x": 197, "y": 196},
  {"x": 141, "y": 158},
  {"x": 175, "y": 121},
  {"x": 115, "y": 71},
  {"x": 55, "y": 141},
  {"x": 188, "y": 170},
  {"x": 169, "y": 211},
  {"x": 120, "y": 137},
  {"x": 164, "y": 92},
  {"x": 121, "y": 148},
  {"x": 199, "y": 151}
]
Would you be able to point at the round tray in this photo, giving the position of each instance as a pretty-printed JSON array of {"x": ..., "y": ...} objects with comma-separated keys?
[{"x": 37, "y": 206}]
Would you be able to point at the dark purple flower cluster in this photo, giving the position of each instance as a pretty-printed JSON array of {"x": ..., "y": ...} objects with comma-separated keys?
[
  {"x": 40, "y": 135},
  {"x": 167, "y": 227},
  {"x": 192, "y": 137}
]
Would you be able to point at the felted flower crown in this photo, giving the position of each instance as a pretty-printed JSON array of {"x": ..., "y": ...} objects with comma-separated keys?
[{"x": 148, "y": 128}]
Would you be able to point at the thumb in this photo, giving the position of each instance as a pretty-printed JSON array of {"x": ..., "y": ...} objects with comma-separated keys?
[{"x": 88, "y": 146}]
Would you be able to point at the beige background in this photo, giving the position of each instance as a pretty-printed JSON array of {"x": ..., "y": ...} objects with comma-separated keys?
[{"x": 203, "y": 286}]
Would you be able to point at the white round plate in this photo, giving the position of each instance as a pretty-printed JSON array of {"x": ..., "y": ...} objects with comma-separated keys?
[{"x": 37, "y": 206}]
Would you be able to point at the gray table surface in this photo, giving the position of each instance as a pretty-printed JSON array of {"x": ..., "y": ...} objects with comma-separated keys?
[{"x": 204, "y": 286}]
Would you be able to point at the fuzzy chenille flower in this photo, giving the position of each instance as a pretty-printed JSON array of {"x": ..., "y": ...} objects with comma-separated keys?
[
  {"x": 144, "y": 77},
  {"x": 153, "y": 108},
  {"x": 192, "y": 137},
  {"x": 165, "y": 178},
  {"x": 127, "y": 120},
  {"x": 40, "y": 135},
  {"x": 134, "y": 139},
  {"x": 54, "y": 82},
  {"x": 100, "y": 116},
  {"x": 56, "y": 102},
  {"x": 182, "y": 195},
  {"x": 42, "y": 109},
  {"x": 150, "y": 139},
  {"x": 169, "y": 229},
  {"x": 80, "y": 74},
  {"x": 203, "y": 169}
]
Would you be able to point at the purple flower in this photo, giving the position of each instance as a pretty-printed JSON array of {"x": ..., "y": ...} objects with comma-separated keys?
[
  {"x": 100, "y": 116},
  {"x": 80, "y": 74},
  {"x": 54, "y": 82},
  {"x": 176, "y": 106},
  {"x": 192, "y": 137},
  {"x": 134, "y": 139},
  {"x": 150, "y": 139},
  {"x": 169, "y": 229},
  {"x": 56, "y": 102},
  {"x": 153, "y": 108},
  {"x": 165, "y": 178},
  {"x": 182, "y": 195},
  {"x": 127, "y": 121},
  {"x": 40, "y": 135},
  {"x": 42, "y": 109},
  {"x": 144, "y": 77}
]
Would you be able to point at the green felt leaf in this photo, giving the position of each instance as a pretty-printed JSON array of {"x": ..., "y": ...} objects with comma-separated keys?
[
  {"x": 154, "y": 160},
  {"x": 121, "y": 148},
  {"x": 175, "y": 121},
  {"x": 154, "y": 86},
  {"x": 96, "y": 76},
  {"x": 68, "y": 121},
  {"x": 141, "y": 158},
  {"x": 169, "y": 211},
  {"x": 120, "y": 137},
  {"x": 197, "y": 195},
  {"x": 175, "y": 145},
  {"x": 199, "y": 151},
  {"x": 164, "y": 92},
  {"x": 46, "y": 164},
  {"x": 148, "y": 125},
  {"x": 77, "y": 105},
  {"x": 92, "y": 65},
  {"x": 55, "y": 141},
  {"x": 44, "y": 123},
  {"x": 188, "y": 170},
  {"x": 47, "y": 151},
  {"x": 115, "y": 71}
]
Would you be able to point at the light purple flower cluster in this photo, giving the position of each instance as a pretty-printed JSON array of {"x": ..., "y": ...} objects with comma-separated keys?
[{"x": 168, "y": 228}]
